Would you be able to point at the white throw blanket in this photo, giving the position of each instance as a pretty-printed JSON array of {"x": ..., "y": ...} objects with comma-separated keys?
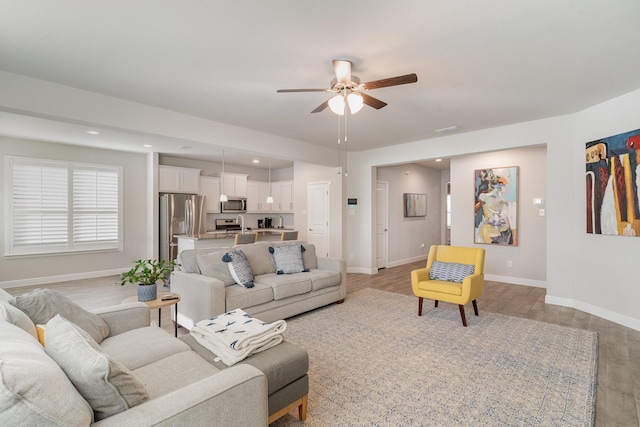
[{"x": 235, "y": 335}]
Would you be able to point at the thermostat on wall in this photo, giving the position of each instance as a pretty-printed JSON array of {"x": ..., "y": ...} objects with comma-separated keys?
[{"x": 352, "y": 201}]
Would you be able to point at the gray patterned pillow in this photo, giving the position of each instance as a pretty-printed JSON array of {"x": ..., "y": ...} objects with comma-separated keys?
[
  {"x": 239, "y": 268},
  {"x": 288, "y": 258},
  {"x": 450, "y": 271}
]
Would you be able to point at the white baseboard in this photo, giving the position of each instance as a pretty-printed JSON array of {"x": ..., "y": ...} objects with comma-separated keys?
[
  {"x": 618, "y": 318},
  {"x": 516, "y": 280},
  {"x": 61, "y": 278},
  {"x": 409, "y": 260},
  {"x": 362, "y": 270}
]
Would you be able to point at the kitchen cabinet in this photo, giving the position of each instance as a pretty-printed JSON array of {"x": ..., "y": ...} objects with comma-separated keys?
[
  {"x": 210, "y": 188},
  {"x": 234, "y": 184},
  {"x": 172, "y": 179},
  {"x": 257, "y": 193},
  {"x": 281, "y": 191}
]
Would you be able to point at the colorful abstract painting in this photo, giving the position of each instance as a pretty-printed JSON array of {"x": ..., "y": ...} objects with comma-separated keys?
[
  {"x": 612, "y": 185},
  {"x": 496, "y": 213}
]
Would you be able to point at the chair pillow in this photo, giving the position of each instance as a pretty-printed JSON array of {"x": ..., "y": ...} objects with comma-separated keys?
[
  {"x": 288, "y": 258},
  {"x": 107, "y": 385},
  {"x": 211, "y": 265},
  {"x": 450, "y": 271},
  {"x": 41, "y": 305},
  {"x": 239, "y": 268}
]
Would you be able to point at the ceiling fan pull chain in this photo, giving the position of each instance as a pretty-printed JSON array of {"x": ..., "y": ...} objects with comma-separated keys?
[
  {"x": 346, "y": 136},
  {"x": 339, "y": 154}
]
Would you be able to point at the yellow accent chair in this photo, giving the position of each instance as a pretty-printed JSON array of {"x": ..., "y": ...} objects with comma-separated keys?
[{"x": 450, "y": 291}]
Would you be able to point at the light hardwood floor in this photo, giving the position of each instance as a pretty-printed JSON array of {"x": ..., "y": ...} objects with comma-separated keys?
[{"x": 618, "y": 389}]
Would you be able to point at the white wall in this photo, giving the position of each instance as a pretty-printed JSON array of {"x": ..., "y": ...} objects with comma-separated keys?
[
  {"x": 19, "y": 271},
  {"x": 407, "y": 235},
  {"x": 529, "y": 256}
]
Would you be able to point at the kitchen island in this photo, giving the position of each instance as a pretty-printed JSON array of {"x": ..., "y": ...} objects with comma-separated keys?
[{"x": 225, "y": 238}]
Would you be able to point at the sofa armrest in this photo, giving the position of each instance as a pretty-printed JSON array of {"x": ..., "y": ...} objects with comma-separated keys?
[
  {"x": 201, "y": 297},
  {"x": 125, "y": 317},
  {"x": 236, "y": 396},
  {"x": 338, "y": 265}
]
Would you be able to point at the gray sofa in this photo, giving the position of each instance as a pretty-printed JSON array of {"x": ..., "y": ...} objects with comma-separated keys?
[
  {"x": 180, "y": 387},
  {"x": 207, "y": 289}
]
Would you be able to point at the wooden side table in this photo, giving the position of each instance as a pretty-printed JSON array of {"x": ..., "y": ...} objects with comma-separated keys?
[{"x": 159, "y": 303}]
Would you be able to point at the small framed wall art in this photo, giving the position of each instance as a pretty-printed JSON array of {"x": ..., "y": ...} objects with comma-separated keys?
[{"x": 415, "y": 204}]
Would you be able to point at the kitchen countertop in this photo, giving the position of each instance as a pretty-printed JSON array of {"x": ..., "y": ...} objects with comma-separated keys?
[{"x": 224, "y": 234}]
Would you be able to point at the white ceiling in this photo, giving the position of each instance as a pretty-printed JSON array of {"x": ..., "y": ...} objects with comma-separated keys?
[{"x": 480, "y": 64}]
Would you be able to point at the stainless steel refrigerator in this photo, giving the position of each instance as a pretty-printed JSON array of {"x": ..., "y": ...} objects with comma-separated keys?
[{"x": 179, "y": 214}]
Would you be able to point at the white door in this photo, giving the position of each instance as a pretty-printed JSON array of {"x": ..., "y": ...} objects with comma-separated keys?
[
  {"x": 318, "y": 216},
  {"x": 382, "y": 224}
]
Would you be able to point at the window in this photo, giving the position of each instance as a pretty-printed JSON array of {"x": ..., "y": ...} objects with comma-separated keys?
[{"x": 58, "y": 207}]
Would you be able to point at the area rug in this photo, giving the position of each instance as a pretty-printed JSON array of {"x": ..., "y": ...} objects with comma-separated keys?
[{"x": 374, "y": 362}]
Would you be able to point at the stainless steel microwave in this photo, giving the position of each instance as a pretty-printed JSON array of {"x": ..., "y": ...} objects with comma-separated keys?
[{"x": 234, "y": 204}]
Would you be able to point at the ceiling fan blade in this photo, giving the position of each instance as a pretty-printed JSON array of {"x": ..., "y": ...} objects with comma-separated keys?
[
  {"x": 342, "y": 68},
  {"x": 392, "y": 81},
  {"x": 372, "y": 102},
  {"x": 301, "y": 90},
  {"x": 321, "y": 107}
]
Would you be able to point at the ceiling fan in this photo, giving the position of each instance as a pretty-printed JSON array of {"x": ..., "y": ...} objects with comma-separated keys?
[{"x": 349, "y": 90}]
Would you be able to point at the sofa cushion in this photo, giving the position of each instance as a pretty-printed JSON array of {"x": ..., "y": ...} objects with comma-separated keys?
[
  {"x": 174, "y": 372},
  {"x": 285, "y": 286},
  {"x": 16, "y": 317},
  {"x": 34, "y": 391},
  {"x": 450, "y": 271},
  {"x": 321, "y": 279},
  {"x": 288, "y": 258},
  {"x": 239, "y": 297},
  {"x": 41, "y": 305},
  {"x": 142, "y": 346},
  {"x": 107, "y": 385},
  {"x": 259, "y": 258},
  {"x": 211, "y": 265},
  {"x": 309, "y": 258},
  {"x": 239, "y": 268}
]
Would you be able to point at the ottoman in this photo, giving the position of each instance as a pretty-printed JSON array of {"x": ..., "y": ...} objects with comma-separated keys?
[{"x": 285, "y": 367}]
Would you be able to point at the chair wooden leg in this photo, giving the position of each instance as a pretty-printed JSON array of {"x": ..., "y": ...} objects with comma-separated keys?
[
  {"x": 302, "y": 409},
  {"x": 464, "y": 318},
  {"x": 420, "y": 306},
  {"x": 475, "y": 306},
  {"x": 436, "y": 303}
]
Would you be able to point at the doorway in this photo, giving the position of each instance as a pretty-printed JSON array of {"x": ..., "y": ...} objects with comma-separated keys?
[
  {"x": 382, "y": 224},
  {"x": 318, "y": 219}
]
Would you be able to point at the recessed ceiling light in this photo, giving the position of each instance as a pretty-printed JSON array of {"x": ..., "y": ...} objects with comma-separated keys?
[
  {"x": 256, "y": 161},
  {"x": 148, "y": 145},
  {"x": 184, "y": 147},
  {"x": 447, "y": 129},
  {"x": 93, "y": 132},
  {"x": 438, "y": 160}
]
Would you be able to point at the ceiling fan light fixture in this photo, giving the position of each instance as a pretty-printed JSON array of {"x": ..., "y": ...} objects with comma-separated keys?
[
  {"x": 337, "y": 105},
  {"x": 355, "y": 102}
]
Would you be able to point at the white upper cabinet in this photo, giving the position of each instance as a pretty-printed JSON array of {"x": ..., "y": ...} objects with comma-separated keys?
[
  {"x": 281, "y": 191},
  {"x": 210, "y": 188},
  {"x": 234, "y": 184},
  {"x": 172, "y": 179}
]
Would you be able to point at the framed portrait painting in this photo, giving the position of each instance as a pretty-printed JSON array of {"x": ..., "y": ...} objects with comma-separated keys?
[{"x": 496, "y": 206}]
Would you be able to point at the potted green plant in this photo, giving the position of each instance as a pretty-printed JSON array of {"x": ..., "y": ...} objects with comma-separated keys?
[{"x": 146, "y": 273}]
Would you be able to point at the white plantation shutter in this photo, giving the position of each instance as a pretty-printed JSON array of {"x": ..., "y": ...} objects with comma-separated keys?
[{"x": 62, "y": 207}]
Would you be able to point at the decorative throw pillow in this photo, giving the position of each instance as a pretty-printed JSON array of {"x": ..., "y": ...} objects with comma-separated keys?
[
  {"x": 288, "y": 258},
  {"x": 107, "y": 385},
  {"x": 450, "y": 271},
  {"x": 239, "y": 268},
  {"x": 17, "y": 317},
  {"x": 34, "y": 391},
  {"x": 211, "y": 265},
  {"x": 41, "y": 305}
]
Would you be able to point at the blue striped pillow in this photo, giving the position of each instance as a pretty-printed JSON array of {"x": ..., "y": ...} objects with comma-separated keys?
[{"x": 450, "y": 271}]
